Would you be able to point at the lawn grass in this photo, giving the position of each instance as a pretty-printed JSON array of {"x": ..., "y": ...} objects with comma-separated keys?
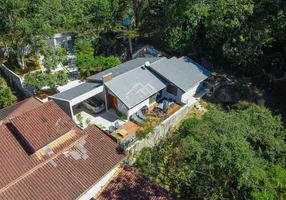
[{"x": 117, "y": 135}]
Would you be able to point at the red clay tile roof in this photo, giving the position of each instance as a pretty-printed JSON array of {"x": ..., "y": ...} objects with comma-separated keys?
[
  {"x": 28, "y": 177},
  {"x": 129, "y": 184},
  {"x": 42, "y": 125},
  {"x": 19, "y": 108}
]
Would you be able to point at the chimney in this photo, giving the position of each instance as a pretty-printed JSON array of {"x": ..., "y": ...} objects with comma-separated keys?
[{"x": 107, "y": 77}]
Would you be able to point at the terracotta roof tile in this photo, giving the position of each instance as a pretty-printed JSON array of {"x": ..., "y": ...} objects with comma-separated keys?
[
  {"x": 19, "y": 108},
  {"x": 129, "y": 184},
  {"x": 42, "y": 125},
  {"x": 28, "y": 177}
]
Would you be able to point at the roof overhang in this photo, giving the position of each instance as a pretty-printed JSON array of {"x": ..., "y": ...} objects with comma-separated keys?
[
  {"x": 87, "y": 95},
  {"x": 79, "y": 93}
]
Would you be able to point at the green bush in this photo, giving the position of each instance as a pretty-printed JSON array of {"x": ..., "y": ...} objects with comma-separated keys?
[
  {"x": 38, "y": 80},
  {"x": 141, "y": 134},
  {"x": 241, "y": 105},
  {"x": 6, "y": 98},
  {"x": 121, "y": 115}
]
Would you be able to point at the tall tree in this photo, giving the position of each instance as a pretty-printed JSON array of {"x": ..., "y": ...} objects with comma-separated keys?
[
  {"x": 22, "y": 21},
  {"x": 238, "y": 154}
]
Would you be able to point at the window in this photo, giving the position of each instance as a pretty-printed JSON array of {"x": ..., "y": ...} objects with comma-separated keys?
[
  {"x": 155, "y": 97},
  {"x": 172, "y": 90}
]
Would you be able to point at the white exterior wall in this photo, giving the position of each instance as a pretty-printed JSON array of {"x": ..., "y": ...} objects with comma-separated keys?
[
  {"x": 87, "y": 95},
  {"x": 91, "y": 192},
  {"x": 189, "y": 94},
  {"x": 138, "y": 107},
  {"x": 122, "y": 107},
  {"x": 176, "y": 98}
]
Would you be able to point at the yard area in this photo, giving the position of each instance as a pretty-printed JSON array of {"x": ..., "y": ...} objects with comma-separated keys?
[
  {"x": 104, "y": 120},
  {"x": 124, "y": 131},
  {"x": 132, "y": 130}
]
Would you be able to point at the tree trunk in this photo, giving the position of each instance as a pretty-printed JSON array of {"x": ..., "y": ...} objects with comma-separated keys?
[
  {"x": 20, "y": 57},
  {"x": 21, "y": 61},
  {"x": 135, "y": 8},
  {"x": 130, "y": 42}
]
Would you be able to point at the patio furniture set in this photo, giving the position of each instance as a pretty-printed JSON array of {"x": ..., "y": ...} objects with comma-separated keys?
[
  {"x": 162, "y": 107},
  {"x": 112, "y": 128}
]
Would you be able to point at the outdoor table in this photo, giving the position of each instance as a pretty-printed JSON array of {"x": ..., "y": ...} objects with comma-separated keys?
[{"x": 122, "y": 132}]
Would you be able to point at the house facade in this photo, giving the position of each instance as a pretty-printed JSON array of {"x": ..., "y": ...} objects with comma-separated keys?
[{"x": 138, "y": 83}]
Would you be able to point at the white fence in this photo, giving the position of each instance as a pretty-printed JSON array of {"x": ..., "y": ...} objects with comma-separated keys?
[
  {"x": 14, "y": 80},
  {"x": 160, "y": 132}
]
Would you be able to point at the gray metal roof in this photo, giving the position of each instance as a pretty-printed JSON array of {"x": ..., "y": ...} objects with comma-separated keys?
[
  {"x": 77, "y": 91},
  {"x": 122, "y": 68},
  {"x": 183, "y": 72},
  {"x": 136, "y": 85}
]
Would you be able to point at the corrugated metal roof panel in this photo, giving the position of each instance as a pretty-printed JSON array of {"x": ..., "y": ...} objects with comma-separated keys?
[
  {"x": 122, "y": 68},
  {"x": 77, "y": 91},
  {"x": 136, "y": 85},
  {"x": 183, "y": 72}
]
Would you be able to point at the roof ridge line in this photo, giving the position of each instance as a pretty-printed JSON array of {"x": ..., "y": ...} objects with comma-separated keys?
[
  {"x": 136, "y": 68},
  {"x": 49, "y": 102}
]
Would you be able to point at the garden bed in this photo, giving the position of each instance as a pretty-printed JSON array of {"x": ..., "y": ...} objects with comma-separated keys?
[
  {"x": 32, "y": 62},
  {"x": 45, "y": 93}
]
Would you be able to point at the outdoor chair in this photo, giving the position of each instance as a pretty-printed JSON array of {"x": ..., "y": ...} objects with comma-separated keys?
[
  {"x": 141, "y": 115},
  {"x": 159, "y": 107},
  {"x": 171, "y": 102},
  {"x": 111, "y": 129},
  {"x": 117, "y": 125},
  {"x": 137, "y": 119},
  {"x": 144, "y": 109}
]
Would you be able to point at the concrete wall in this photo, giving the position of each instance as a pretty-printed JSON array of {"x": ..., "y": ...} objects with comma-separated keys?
[
  {"x": 14, "y": 80},
  {"x": 159, "y": 132},
  {"x": 64, "y": 105},
  {"x": 176, "y": 98},
  {"x": 122, "y": 107},
  {"x": 138, "y": 107},
  {"x": 189, "y": 94},
  {"x": 91, "y": 192}
]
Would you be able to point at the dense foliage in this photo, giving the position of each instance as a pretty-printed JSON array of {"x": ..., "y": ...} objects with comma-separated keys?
[
  {"x": 6, "y": 96},
  {"x": 39, "y": 80},
  {"x": 244, "y": 34},
  {"x": 238, "y": 154},
  {"x": 87, "y": 63}
]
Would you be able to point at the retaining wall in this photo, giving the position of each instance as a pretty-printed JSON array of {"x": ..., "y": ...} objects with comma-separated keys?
[
  {"x": 14, "y": 79},
  {"x": 160, "y": 132}
]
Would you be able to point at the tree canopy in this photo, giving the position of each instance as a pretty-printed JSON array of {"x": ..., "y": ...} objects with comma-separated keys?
[
  {"x": 38, "y": 80},
  {"x": 242, "y": 34},
  {"x": 22, "y": 21},
  {"x": 6, "y": 96},
  {"x": 87, "y": 63},
  {"x": 225, "y": 155}
]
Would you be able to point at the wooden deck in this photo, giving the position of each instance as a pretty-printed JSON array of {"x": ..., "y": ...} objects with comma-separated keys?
[
  {"x": 174, "y": 109},
  {"x": 171, "y": 110},
  {"x": 131, "y": 129}
]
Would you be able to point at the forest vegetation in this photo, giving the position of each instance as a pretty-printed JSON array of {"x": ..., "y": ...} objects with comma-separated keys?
[{"x": 233, "y": 153}]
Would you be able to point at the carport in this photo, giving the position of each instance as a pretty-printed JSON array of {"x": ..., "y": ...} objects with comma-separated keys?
[{"x": 71, "y": 98}]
